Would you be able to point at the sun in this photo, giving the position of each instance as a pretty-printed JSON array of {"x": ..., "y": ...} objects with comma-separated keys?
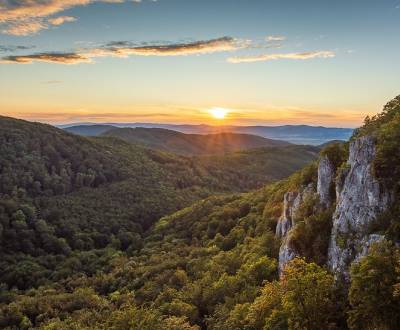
[{"x": 219, "y": 113}]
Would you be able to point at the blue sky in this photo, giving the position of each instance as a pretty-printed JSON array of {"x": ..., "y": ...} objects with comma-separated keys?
[{"x": 266, "y": 62}]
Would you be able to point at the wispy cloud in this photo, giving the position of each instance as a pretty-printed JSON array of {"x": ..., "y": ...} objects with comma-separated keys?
[
  {"x": 24, "y": 27},
  {"x": 51, "y": 82},
  {"x": 12, "y": 48},
  {"x": 275, "y": 38},
  {"x": 289, "y": 56},
  {"x": 125, "y": 49},
  {"x": 61, "y": 20},
  {"x": 171, "y": 49},
  {"x": 24, "y": 17},
  {"x": 60, "y": 58}
]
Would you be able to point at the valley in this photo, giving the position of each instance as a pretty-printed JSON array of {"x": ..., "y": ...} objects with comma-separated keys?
[{"x": 116, "y": 235}]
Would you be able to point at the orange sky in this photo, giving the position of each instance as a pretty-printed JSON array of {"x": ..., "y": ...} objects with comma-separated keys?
[{"x": 192, "y": 115}]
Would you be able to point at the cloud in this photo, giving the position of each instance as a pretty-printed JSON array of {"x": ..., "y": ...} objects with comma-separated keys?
[
  {"x": 290, "y": 56},
  {"x": 11, "y": 48},
  {"x": 28, "y": 9},
  {"x": 23, "y": 17},
  {"x": 61, "y": 20},
  {"x": 122, "y": 49},
  {"x": 125, "y": 49},
  {"x": 60, "y": 58},
  {"x": 24, "y": 28},
  {"x": 276, "y": 38},
  {"x": 51, "y": 82}
]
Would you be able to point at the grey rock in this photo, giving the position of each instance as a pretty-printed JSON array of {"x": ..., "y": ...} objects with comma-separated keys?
[
  {"x": 360, "y": 199},
  {"x": 290, "y": 205},
  {"x": 326, "y": 176},
  {"x": 366, "y": 244},
  {"x": 292, "y": 202}
]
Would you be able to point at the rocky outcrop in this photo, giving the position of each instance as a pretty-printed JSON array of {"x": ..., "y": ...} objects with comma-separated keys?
[
  {"x": 360, "y": 199},
  {"x": 326, "y": 176},
  {"x": 291, "y": 204}
]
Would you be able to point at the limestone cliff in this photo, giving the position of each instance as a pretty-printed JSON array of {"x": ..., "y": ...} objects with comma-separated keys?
[
  {"x": 360, "y": 199},
  {"x": 291, "y": 204}
]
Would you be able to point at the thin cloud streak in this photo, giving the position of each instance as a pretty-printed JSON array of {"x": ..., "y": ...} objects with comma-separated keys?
[
  {"x": 198, "y": 47},
  {"x": 12, "y": 48},
  {"x": 275, "y": 38},
  {"x": 120, "y": 49},
  {"x": 59, "y": 58},
  {"x": 288, "y": 56}
]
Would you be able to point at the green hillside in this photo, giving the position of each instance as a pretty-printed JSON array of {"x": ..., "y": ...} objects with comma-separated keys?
[
  {"x": 191, "y": 144},
  {"x": 67, "y": 200},
  {"x": 212, "y": 265}
]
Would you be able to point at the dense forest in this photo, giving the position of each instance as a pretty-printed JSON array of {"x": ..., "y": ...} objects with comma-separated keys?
[
  {"x": 91, "y": 239},
  {"x": 70, "y": 203}
]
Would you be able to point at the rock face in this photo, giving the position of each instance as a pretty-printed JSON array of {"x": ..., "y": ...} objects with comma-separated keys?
[
  {"x": 326, "y": 176},
  {"x": 292, "y": 202},
  {"x": 360, "y": 199}
]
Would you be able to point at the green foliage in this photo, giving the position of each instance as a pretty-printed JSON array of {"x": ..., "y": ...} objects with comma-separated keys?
[
  {"x": 63, "y": 195},
  {"x": 385, "y": 127},
  {"x": 308, "y": 299},
  {"x": 87, "y": 222},
  {"x": 267, "y": 310},
  {"x": 337, "y": 153},
  {"x": 253, "y": 168},
  {"x": 303, "y": 299},
  {"x": 374, "y": 304},
  {"x": 388, "y": 151},
  {"x": 310, "y": 237}
]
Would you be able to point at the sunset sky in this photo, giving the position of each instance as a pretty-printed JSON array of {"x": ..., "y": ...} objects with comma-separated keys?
[{"x": 266, "y": 62}]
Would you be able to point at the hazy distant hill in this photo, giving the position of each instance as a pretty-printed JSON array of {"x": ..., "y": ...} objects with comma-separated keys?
[
  {"x": 299, "y": 134},
  {"x": 191, "y": 144},
  {"x": 89, "y": 130}
]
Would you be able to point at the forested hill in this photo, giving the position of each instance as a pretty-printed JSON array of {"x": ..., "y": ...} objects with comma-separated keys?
[
  {"x": 191, "y": 144},
  {"x": 256, "y": 260},
  {"x": 68, "y": 203}
]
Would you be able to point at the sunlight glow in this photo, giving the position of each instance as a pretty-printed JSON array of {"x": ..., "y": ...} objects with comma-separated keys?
[{"x": 219, "y": 113}]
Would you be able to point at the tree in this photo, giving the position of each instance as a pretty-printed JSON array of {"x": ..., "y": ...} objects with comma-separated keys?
[
  {"x": 308, "y": 297},
  {"x": 372, "y": 297},
  {"x": 267, "y": 311}
]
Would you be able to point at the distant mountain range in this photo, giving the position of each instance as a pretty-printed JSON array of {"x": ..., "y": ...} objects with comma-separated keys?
[
  {"x": 191, "y": 144},
  {"x": 298, "y": 134}
]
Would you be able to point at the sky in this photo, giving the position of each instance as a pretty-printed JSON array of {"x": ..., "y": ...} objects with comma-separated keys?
[{"x": 267, "y": 62}]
